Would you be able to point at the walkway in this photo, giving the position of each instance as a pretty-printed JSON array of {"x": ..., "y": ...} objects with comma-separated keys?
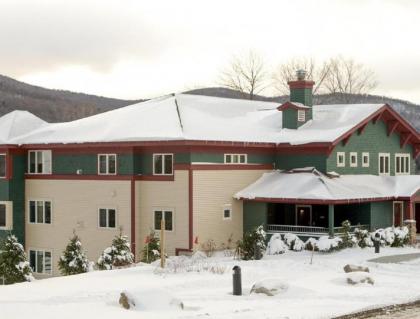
[{"x": 394, "y": 259}]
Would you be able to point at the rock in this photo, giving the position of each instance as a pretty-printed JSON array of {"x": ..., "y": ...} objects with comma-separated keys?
[
  {"x": 352, "y": 268},
  {"x": 359, "y": 277},
  {"x": 269, "y": 287},
  {"x": 125, "y": 301},
  {"x": 177, "y": 303}
]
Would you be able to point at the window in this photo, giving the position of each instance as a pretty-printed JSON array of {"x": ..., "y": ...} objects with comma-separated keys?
[
  {"x": 236, "y": 158},
  {"x": 353, "y": 159},
  {"x": 107, "y": 218},
  {"x": 402, "y": 164},
  {"x": 3, "y": 217},
  {"x": 227, "y": 211},
  {"x": 162, "y": 164},
  {"x": 39, "y": 212},
  {"x": 301, "y": 116},
  {"x": 107, "y": 164},
  {"x": 365, "y": 159},
  {"x": 341, "y": 159},
  {"x": 384, "y": 164},
  {"x": 2, "y": 165},
  {"x": 40, "y": 261},
  {"x": 167, "y": 216},
  {"x": 39, "y": 162}
]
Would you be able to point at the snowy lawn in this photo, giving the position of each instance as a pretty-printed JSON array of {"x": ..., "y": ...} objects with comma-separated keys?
[{"x": 314, "y": 291}]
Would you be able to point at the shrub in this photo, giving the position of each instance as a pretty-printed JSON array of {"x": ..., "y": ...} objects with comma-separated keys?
[
  {"x": 73, "y": 261},
  {"x": 209, "y": 247},
  {"x": 294, "y": 242},
  {"x": 326, "y": 244},
  {"x": 276, "y": 246},
  {"x": 118, "y": 255},
  {"x": 250, "y": 241},
  {"x": 14, "y": 266},
  {"x": 402, "y": 237},
  {"x": 151, "y": 250},
  {"x": 363, "y": 238},
  {"x": 310, "y": 244},
  {"x": 348, "y": 240}
]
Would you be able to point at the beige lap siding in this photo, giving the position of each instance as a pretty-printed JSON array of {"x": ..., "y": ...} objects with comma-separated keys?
[
  {"x": 75, "y": 205},
  {"x": 211, "y": 190},
  {"x": 156, "y": 195}
]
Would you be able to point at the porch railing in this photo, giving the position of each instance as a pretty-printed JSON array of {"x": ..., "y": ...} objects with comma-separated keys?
[{"x": 309, "y": 230}]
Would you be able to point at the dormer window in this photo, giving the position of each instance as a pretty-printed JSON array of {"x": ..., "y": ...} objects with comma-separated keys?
[{"x": 301, "y": 116}]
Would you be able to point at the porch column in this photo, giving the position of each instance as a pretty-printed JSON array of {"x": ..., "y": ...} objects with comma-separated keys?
[{"x": 331, "y": 220}]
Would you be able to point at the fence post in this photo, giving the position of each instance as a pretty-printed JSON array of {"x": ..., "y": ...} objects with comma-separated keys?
[{"x": 162, "y": 243}]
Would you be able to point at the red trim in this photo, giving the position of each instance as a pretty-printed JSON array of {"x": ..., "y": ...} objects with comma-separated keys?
[
  {"x": 227, "y": 167},
  {"x": 404, "y": 138},
  {"x": 392, "y": 125},
  {"x": 346, "y": 140},
  {"x": 301, "y": 84},
  {"x": 416, "y": 150},
  {"x": 133, "y": 216},
  {"x": 362, "y": 128},
  {"x": 291, "y": 105},
  {"x": 320, "y": 201},
  {"x": 377, "y": 117},
  {"x": 161, "y": 178},
  {"x": 165, "y": 178}
]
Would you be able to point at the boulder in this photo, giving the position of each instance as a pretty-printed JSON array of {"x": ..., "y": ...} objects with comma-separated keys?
[
  {"x": 352, "y": 268},
  {"x": 125, "y": 301},
  {"x": 269, "y": 287},
  {"x": 359, "y": 277}
]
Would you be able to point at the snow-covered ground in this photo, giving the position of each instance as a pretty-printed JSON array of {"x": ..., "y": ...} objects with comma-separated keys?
[{"x": 317, "y": 290}]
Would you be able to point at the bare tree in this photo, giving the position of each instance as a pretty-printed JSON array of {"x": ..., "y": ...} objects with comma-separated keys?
[
  {"x": 245, "y": 74},
  {"x": 346, "y": 77},
  {"x": 287, "y": 72}
]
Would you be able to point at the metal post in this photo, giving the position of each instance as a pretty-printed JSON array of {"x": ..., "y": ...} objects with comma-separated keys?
[
  {"x": 377, "y": 243},
  {"x": 257, "y": 252},
  {"x": 331, "y": 220},
  {"x": 237, "y": 281}
]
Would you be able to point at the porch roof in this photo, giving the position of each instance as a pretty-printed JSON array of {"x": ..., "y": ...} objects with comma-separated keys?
[{"x": 310, "y": 185}]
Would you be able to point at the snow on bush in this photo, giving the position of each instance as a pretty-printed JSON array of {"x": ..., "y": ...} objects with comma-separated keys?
[
  {"x": 392, "y": 236},
  {"x": 326, "y": 244},
  {"x": 276, "y": 246},
  {"x": 73, "y": 261},
  {"x": 251, "y": 241},
  {"x": 183, "y": 264},
  {"x": 294, "y": 242},
  {"x": 363, "y": 238},
  {"x": 118, "y": 255}
]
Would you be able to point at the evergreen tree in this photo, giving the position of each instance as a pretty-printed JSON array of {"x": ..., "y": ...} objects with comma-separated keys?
[
  {"x": 73, "y": 261},
  {"x": 151, "y": 250},
  {"x": 14, "y": 266},
  {"x": 118, "y": 255}
]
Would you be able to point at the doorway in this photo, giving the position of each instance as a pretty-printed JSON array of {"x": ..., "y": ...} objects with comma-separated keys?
[
  {"x": 417, "y": 216},
  {"x": 304, "y": 215},
  {"x": 398, "y": 213}
]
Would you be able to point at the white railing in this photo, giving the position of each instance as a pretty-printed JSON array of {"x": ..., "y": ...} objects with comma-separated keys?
[{"x": 309, "y": 230}]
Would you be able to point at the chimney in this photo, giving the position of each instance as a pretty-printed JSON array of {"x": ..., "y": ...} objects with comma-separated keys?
[{"x": 299, "y": 110}]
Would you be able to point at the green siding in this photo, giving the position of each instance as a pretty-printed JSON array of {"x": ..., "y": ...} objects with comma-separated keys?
[
  {"x": 374, "y": 140},
  {"x": 289, "y": 119},
  {"x": 380, "y": 214},
  {"x": 303, "y": 96},
  {"x": 289, "y": 161},
  {"x": 255, "y": 214}
]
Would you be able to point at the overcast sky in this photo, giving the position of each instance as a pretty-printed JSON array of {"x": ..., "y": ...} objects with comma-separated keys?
[{"x": 137, "y": 49}]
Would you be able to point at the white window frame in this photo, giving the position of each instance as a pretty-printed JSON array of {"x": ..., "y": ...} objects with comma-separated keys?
[
  {"x": 301, "y": 116},
  {"x": 163, "y": 210},
  {"x": 46, "y": 162},
  {"x": 238, "y": 156},
  {"x": 36, "y": 250},
  {"x": 402, "y": 158},
  {"x": 36, "y": 211},
  {"x": 5, "y": 165},
  {"x": 350, "y": 159},
  {"x": 365, "y": 155},
  {"x": 107, "y": 163},
  {"x": 224, "y": 208},
  {"x": 384, "y": 155},
  {"x": 9, "y": 215},
  {"x": 107, "y": 208},
  {"x": 163, "y": 164},
  {"x": 343, "y": 164}
]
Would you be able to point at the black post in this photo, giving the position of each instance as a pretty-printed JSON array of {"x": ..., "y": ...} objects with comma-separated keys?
[
  {"x": 237, "y": 281},
  {"x": 257, "y": 252},
  {"x": 377, "y": 243}
]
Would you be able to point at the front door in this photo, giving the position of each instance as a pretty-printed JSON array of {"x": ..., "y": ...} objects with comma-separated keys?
[
  {"x": 417, "y": 214},
  {"x": 303, "y": 215},
  {"x": 398, "y": 213}
]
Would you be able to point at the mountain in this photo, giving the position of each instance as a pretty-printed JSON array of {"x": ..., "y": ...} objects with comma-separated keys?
[
  {"x": 410, "y": 111},
  {"x": 53, "y": 105}
]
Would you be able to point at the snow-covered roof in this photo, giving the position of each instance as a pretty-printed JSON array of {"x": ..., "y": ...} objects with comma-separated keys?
[
  {"x": 310, "y": 184},
  {"x": 17, "y": 123},
  {"x": 194, "y": 117}
]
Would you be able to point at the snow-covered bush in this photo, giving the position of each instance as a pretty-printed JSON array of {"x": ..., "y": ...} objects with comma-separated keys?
[
  {"x": 73, "y": 261},
  {"x": 276, "y": 246},
  {"x": 402, "y": 236},
  {"x": 310, "y": 244},
  {"x": 363, "y": 238},
  {"x": 251, "y": 240},
  {"x": 348, "y": 240},
  {"x": 118, "y": 255},
  {"x": 326, "y": 244},
  {"x": 14, "y": 266},
  {"x": 151, "y": 250},
  {"x": 294, "y": 242},
  {"x": 392, "y": 236}
]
